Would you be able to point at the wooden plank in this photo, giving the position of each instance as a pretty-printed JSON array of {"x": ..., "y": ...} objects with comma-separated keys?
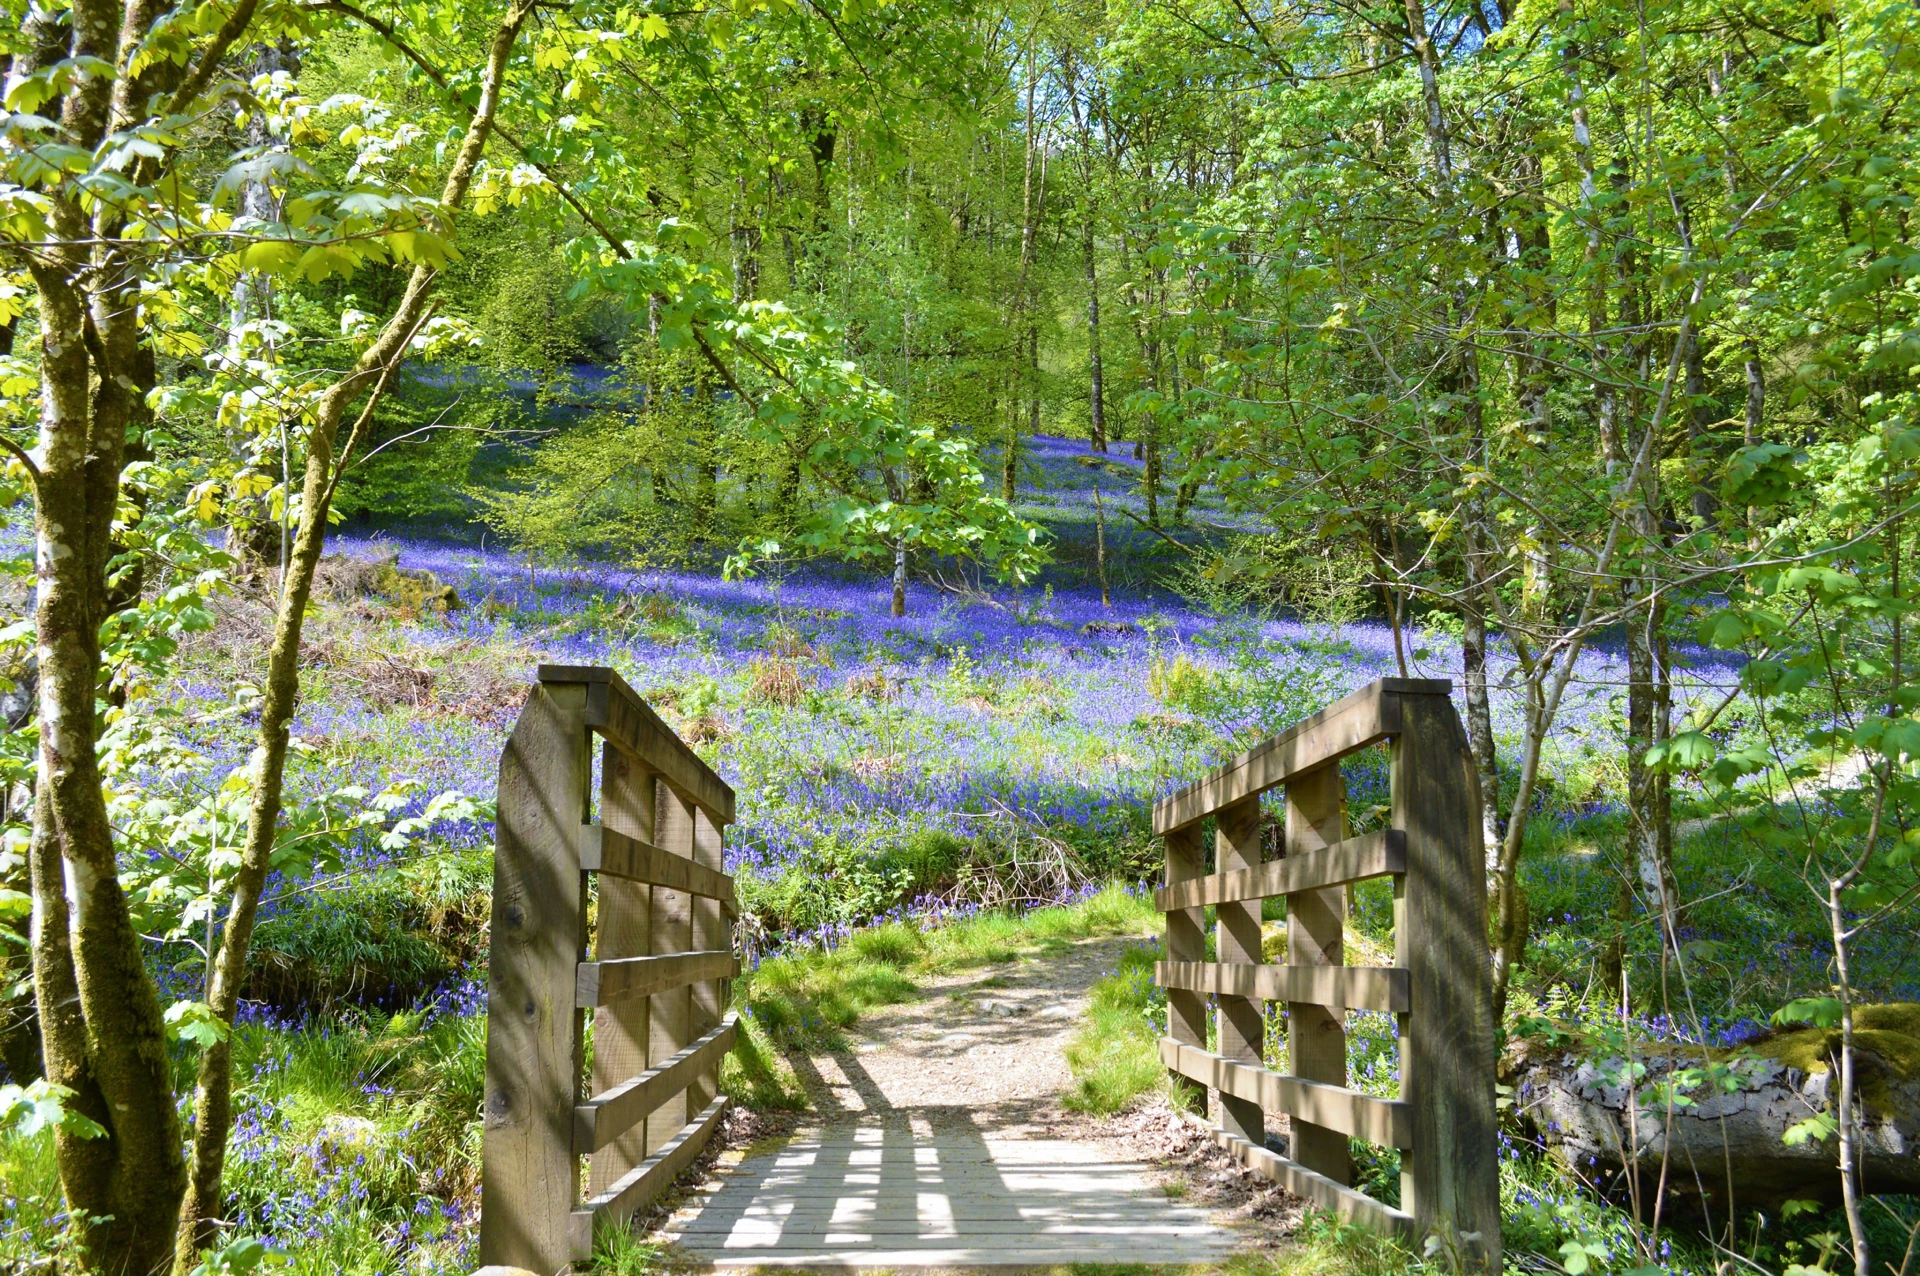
[
  {"x": 605, "y": 850},
  {"x": 601, "y": 983},
  {"x": 1366, "y": 717},
  {"x": 614, "y": 709},
  {"x": 650, "y": 1178},
  {"x": 1337, "y": 1199},
  {"x": 1186, "y": 941},
  {"x": 669, "y": 1010},
  {"x": 615, "y": 1111},
  {"x": 1348, "y": 987},
  {"x": 1242, "y": 1021},
  {"x": 625, "y": 930},
  {"x": 1388, "y": 1122},
  {"x": 710, "y": 931},
  {"x": 1375, "y": 854},
  {"x": 1452, "y": 1180},
  {"x": 1316, "y": 923},
  {"x": 528, "y": 1175}
]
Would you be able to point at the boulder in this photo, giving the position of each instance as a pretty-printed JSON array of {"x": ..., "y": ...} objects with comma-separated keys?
[{"x": 1575, "y": 1102}]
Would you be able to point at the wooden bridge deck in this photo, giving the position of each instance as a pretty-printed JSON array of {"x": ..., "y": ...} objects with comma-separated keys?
[{"x": 877, "y": 1193}]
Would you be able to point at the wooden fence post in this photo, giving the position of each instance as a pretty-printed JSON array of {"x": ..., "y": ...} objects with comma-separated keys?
[
  {"x": 1186, "y": 941},
  {"x": 710, "y": 932},
  {"x": 669, "y": 1012},
  {"x": 1243, "y": 1021},
  {"x": 529, "y": 1177},
  {"x": 1317, "y": 1034},
  {"x": 623, "y": 929},
  {"x": 1440, "y": 933}
]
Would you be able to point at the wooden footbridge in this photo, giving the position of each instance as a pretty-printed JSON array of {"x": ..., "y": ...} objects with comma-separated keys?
[{"x": 612, "y": 955}]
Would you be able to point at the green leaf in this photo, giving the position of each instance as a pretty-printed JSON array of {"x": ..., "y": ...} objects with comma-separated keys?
[
  {"x": 1817, "y": 1128},
  {"x": 1821, "y": 1012},
  {"x": 195, "y": 1022},
  {"x": 43, "y": 1105}
]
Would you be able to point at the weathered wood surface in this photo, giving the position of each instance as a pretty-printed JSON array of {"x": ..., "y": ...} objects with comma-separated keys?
[
  {"x": 614, "y": 1112},
  {"x": 601, "y": 983},
  {"x": 528, "y": 1174},
  {"x": 625, "y": 930},
  {"x": 670, "y": 1011},
  {"x": 875, "y": 1195},
  {"x": 1242, "y": 1021},
  {"x": 1366, "y": 717},
  {"x": 648, "y": 1179},
  {"x": 634, "y": 859},
  {"x": 708, "y": 997},
  {"x": 1351, "y": 987},
  {"x": 1440, "y": 934},
  {"x": 1186, "y": 942},
  {"x": 1375, "y": 854},
  {"x": 615, "y": 710},
  {"x": 1339, "y": 1200},
  {"x": 1388, "y": 1122},
  {"x": 1316, "y": 936}
]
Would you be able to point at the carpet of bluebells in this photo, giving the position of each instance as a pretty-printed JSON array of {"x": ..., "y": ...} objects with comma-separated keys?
[{"x": 1007, "y": 719}]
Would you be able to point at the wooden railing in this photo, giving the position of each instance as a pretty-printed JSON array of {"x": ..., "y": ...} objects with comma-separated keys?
[
  {"x": 1443, "y": 1122},
  {"x": 648, "y": 951}
]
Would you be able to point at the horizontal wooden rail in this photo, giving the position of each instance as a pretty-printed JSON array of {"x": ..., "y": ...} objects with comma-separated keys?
[
  {"x": 614, "y": 710},
  {"x": 645, "y": 1181},
  {"x": 605, "y": 1117},
  {"x": 1336, "y": 987},
  {"x": 601, "y": 983},
  {"x": 1388, "y": 1122},
  {"x": 603, "y": 850},
  {"x": 1374, "y": 854},
  {"x": 1366, "y": 717},
  {"x": 1343, "y": 1202}
]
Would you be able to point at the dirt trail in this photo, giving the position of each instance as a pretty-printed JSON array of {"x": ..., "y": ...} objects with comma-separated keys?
[{"x": 938, "y": 1140}]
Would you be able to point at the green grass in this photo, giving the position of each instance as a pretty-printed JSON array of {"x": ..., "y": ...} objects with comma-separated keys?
[{"x": 1114, "y": 1057}]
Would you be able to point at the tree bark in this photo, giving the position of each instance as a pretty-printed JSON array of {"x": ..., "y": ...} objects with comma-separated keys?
[{"x": 1096, "y": 388}]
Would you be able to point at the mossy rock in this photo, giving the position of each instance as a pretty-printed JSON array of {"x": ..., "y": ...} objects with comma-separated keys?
[
  {"x": 1886, "y": 1041},
  {"x": 1574, "y": 1099}
]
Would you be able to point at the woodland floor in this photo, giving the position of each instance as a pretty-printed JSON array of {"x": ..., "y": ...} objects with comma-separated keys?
[{"x": 937, "y": 1139}]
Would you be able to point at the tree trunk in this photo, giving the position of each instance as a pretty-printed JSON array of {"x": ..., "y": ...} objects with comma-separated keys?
[
  {"x": 900, "y": 577},
  {"x": 1096, "y": 389}
]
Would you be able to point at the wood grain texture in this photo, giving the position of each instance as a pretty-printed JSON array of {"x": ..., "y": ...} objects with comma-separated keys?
[
  {"x": 669, "y": 1011},
  {"x": 608, "y": 851},
  {"x": 1375, "y": 854},
  {"x": 710, "y": 932},
  {"x": 624, "y": 930},
  {"x": 1446, "y": 1040},
  {"x": 622, "y": 716},
  {"x": 609, "y": 1114},
  {"x": 1186, "y": 941},
  {"x": 651, "y": 1177},
  {"x": 1316, "y": 936},
  {"x": 602, "y": 983},
  {"x": 1355, "y": 987},
  {"x": 1339, "y": 1200},
  {"x": 1242, "y": 1021},
  {"x": 1388, "y": 1122},
  {"x": 528, "y": 1174},
  {"x": 1363, "y": 718}
]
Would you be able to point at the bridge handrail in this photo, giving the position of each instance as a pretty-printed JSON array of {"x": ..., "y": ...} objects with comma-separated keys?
[
  {"x": 653, "y": 968},
  {"x": 1438, "y": 987}
]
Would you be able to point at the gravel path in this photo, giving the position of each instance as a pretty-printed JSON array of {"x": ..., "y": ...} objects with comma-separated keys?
[{"x": 938, "y": 1140}]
